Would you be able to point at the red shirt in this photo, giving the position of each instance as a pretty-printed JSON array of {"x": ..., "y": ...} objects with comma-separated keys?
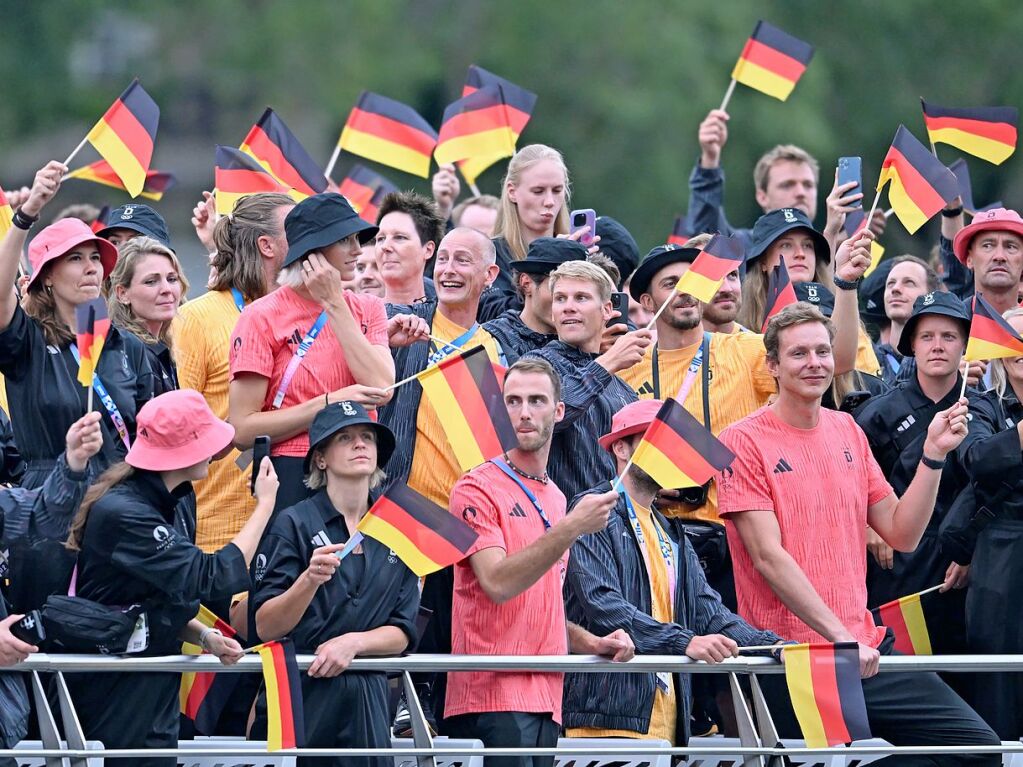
[
  {"x": 269, "y": 332},
  {"x": 533, "y": 623},
  {"x": 819, "y": 483}
]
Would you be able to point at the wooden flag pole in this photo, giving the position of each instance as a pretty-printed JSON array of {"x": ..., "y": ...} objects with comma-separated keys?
[
  {"x": 78, "y": 149},
  {"x": 966, "y": 369},
  {"x": 88, "y": 407},
  {"x": 888, "y": 213},
  {"x": 472, "y": 186},
  {"x": 660, "y": 311},
  {"x": 870, "y": 216},
  {"x": 931, "y": 589},
  {"x": 447, "y": 343},
  {"x": 762, "y": 647},
  {"x": 332, "y": 161},
  {"x": 728, "y": 95},
  {"x": 617, "y": 484}
]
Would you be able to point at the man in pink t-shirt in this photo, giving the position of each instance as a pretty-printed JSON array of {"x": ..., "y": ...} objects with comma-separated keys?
[
  {"x": 508, "y": 592},
  {"x": 796, "y": 503}
]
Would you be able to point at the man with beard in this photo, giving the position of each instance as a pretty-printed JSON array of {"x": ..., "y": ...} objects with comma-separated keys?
[
  {"x": 508, "y": 591},
  {"x": 719, "y": 315}
]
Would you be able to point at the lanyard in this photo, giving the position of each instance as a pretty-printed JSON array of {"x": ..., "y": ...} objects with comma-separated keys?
[
  {"x": 694, "y": 367},
  {"x": 450, "y": 346},
  {"x": 499, "y": 463},
  {"x": 239, "y": 299},
  {"x": 668, "y": 552},
  {"x": 296, "y": 359},
  {"x": 108, "y": 403},
  {"x": 893, "y": 363}
]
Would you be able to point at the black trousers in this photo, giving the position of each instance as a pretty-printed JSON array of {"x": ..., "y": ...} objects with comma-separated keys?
[{"x": 508, "y": 729}]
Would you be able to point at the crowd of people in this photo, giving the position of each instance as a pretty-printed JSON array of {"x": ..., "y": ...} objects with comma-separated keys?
[{"x": 862, "y": 473}]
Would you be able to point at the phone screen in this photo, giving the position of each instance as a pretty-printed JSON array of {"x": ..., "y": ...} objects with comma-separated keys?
[
  {"x": 849, "y": 169},
  {"x": 260, "y": 449}
]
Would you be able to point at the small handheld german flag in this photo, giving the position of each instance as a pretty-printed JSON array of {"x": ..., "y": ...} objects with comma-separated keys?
[
  {"x": 365, "y": 190},
  {"x": 680, "y": 232},
  {"x": 827, "y": 694},
  {"x": 854, "y": 222},
  {"x": 719, "y": 256},
  {"x": 477, "y": 125},
  {"x": 985, "y": 132},
  {"x": 389, "y": 132},
  {"x": 92, "y": 326},
  {"x": 991, "y": 337},
  {"x": 519, "y": 104},
  {"x": 125, "y": 136},
  {"x": 921, "y": 185},
  {"x": 204, "y": 695},
  {"x": 780, "y": 293},
  {"x": 272, "y": 144},
  {"x": 907, "y": 618},
  {"x": 6, "y": 214},
  {"x": 236, "y": 174},
  {"x": 157, "y": 181},
  {"x": 284, "y": 712},
  {"x": 772, "y": 61}
]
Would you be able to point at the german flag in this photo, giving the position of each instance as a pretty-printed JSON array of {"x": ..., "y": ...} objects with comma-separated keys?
[
  {"x": 425, "y": 536},
  {"x": 466, "y": 395},
  {"x": 6, "y": 214},
  {"x": 719, "y": 257},
  {"x": 921, "y": 185},
  {"x": 277, "y": 149},
  {"x": 389, "y": 132},
  {"x": 92, "y": 326},
  {"x": 236, "y": 174},
  {"x": 680, "y": 232},
  {"x": 962, "y": 173},
  {"x": 477, "y": 125},
  {"x": 519, "y": 102},
  {"x": 157, "y": 181},
  {"x": 906, "y": 617},
  {"x": 125, "y": 136},
  {"x": 365, "y": 190},
  {"x": 285, "y": 716},
  {"x": 100, "y": 223},
  {"x": 772, "y": 61},
  {"x": 780, "y": 293},
  {"x": 203, "y": 695},
  {"x": 985, "y": 132},
  {"x": 991, "y": 337},
  {"x": 854, "y": 222},
  {"x": 827, "y": 694},
  {"x": 677, "y": 451}
]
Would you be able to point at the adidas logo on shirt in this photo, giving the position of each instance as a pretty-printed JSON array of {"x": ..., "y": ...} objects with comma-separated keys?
[
  {"x": 295, "y": 338},
  {"x": 517, "y": 511},
  {"x": 909, "y": 421},
  {"x": 646, "y": 388},
  {"x": 320, "y": 539},
  {"x": 782, "y": 466}
]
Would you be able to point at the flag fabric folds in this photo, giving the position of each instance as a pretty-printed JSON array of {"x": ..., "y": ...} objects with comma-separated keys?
[
  {"x": 991, "y": 337},
  {"x": 780, "y": 293},
  {"x": 477, "y": 125},
  {"x": 772, "y": 61},
  {"x": 125, "y": 136},
  {"x": 425, "y": 536},
  {"x": 100, "y": 223},
  {"x": 92, "y": 324},
  {"x": 921, "y": 185},
  {"x": 365, "y": 190},
  {"x": 907, "y": 619},
  {"x": 237, "y": 174},
  {"x": 277, "y": 149},
  {"x": 519, "y": 104},
  {"x": 678, "y": 451},
  {"x": 719, "y": 256},
  {"x": 467, "y": 398},
  {"x": 204, "y": 695},
  {"x": 284, "y": 713},
  {"x": 157, "y": 181},
  {"x": 680, "y": 232},
  {"x": 389, "y": 132},
  {"x": 827, "y": 693},
  {"x": 985, "y": 132},
  {"x": 6, "y": 214},
  {"x": 962, "y": 173}
]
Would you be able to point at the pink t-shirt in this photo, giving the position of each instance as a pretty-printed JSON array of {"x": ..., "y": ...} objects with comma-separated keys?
[
  {"x": 533, "y": 623},
  {"x": 819, "y": 483},
  {"x": 269, "y": 332}
]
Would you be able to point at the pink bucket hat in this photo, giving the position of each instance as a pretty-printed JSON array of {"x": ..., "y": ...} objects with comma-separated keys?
[
  {"x": 177, "y": 430},
  {"x": 631, "y": 419},
  {"x": 63, "y": 236},
  {"x": 996, "y": 219}
]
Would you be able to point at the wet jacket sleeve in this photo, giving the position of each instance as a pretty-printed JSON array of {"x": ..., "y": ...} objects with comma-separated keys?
[{"x": 706, "y": 201}]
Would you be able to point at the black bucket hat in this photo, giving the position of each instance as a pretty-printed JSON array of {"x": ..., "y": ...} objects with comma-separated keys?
[
  {"x": 938, "y": 303},
  {"x": 138, "y": 218},
  {"x": 816, "y": 294},
  {"x": 322, "y": 220},
  {"x": 546, "y": 254},
  {"x": 771, "y": 226},
  {"x": 338, "y": 415},
  {"x": 655, "y": 260}
]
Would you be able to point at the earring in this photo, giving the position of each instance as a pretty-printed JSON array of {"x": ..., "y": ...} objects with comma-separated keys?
[
  {"x": 321, "y": 465},
  {"x": 49, "y": 290}
]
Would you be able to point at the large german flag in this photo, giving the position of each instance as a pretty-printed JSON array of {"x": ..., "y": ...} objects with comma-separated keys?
[
  {"x": 6, "y": 214},
  {"x": 826, "y": 692},
  {"x": 520, "y": 104},
  {"x": 907, "y": 619},
  {"x": 204, "y": 695},
  {"x": 92, "y": 327},
  {"x": 477, "y": 125},
  {"x": 780, "y": 293},
  {"x": 425, "y": 536},
  {"x": 284, "y": 712},
  {"x": 389, "y": 132},
  {"x": 985, "y": 132},
  {"x": 467, "y": 398},
  {"x": 277, "y": 149},
  {"x": 365, "y": 189},
  {"x": 921, "y": 185},
  {"x": 237, "y": 174},
  {"x": 125, "y": 136},
  {"x": 677, "y": 451},
  {"x": 772, "y": 61},
  {"x": 157, "y": 181},
  {"x": 680, "y": 232},
  {"x": 704, "y": 277},
  {"x": 991, "y": 337}
]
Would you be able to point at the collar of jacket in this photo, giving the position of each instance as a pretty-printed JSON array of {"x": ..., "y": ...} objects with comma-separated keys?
[
  {"x": 512, "y": 321},
  {"x": 572, "y": 353},
  {"x": 151, "y": 487},
  {"x": 920, "y": 401}
]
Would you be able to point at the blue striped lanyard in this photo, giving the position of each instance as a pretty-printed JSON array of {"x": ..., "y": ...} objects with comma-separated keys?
[
  {"x": 669, "y": 552},
  {"x": 499, "y": 463},
  {"x": 452, "y": 346},
  {"x": 108, "y": 403},
  {"x": 239, "y": 299},
  {"x": 296, "y": 360}
]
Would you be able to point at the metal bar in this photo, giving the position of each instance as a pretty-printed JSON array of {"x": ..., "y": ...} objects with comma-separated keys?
[
  {"x": 73, "y": 734},
  {"x": 421, "y": 737},
  {"x": 48, "y": 734},
  {"x": 744, "y": 720}
]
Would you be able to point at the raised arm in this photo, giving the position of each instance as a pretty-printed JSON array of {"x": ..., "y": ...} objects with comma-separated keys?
[{"x": 851, "y": 261}]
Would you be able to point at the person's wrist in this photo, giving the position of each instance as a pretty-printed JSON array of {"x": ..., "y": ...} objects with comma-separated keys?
[
  {"x": 204, "y": 636},
  {"x": 709, "y": 161},
  {"x": 934, "y": 453},
  {"x": 952, "y": 212},
  {"x": 843, "y": 284}
]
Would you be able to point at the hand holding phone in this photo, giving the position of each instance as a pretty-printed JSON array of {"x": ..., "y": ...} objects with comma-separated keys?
[
  {"x": 30, "y": 629},
  {"x": 619, "y": 303},
  {"x": 260, "y": 450},
  {"x": 849, "y": 170},
  {"x": 582, "y": 218}
]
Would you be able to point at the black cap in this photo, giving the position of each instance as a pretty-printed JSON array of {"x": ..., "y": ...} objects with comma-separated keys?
[
  {"x": 872, "y": 293},
  {"x": 546, "y": 254},
  {"x": 322, "y": 220},
  {"x": 938, "y": 303},
  {"x": 139, "y": 218},
  {"x": 655, "y": 260},
  {"x": 617, "y": 244},
  {"x": 816, "y": 294},
  {"x": 338, "y": 415},
  {"x": 771, "y": 226}
]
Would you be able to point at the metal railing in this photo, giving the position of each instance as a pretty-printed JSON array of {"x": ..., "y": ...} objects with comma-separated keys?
[{"x": 757, "y": 734}]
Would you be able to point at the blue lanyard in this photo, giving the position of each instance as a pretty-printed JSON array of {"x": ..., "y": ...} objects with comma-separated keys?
[
  {"x": 239, "y": 299},
  {"x": 499, "y": 463},
  {"x": 453, "y": 346},
  {"x": 108, "y": 403},
  {"x": 893, "y": 363},
  {"x": 669, "y": 551},
  {"x": 296, "y": 360}
]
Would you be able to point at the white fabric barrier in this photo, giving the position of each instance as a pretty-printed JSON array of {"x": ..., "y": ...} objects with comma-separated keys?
[{"x": 618, "y": 760}]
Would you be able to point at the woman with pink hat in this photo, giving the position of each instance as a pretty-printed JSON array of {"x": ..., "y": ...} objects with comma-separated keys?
[
  {"x": 132, "y": 552},
  {"x": 38, "y": 358}
]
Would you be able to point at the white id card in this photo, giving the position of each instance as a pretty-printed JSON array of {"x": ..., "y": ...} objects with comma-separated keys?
[{"x": 140, "y": 636}]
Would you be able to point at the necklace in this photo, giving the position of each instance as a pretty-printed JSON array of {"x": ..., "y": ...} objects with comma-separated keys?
[{"x": 542, "y": 480}]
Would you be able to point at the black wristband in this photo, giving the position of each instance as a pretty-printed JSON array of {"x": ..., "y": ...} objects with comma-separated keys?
[
  {"x": 930, "y": 463},
  {"x": 846, "y": 285},
  {"x": 954, "y": 213},
  {"x": 23, "y": 221}
]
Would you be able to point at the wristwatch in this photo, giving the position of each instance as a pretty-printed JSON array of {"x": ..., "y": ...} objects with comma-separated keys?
[{"x": 846, "y": 284}]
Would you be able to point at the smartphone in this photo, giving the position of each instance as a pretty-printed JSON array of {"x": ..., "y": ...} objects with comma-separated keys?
[
  {"x": 619, "y": 303},
  {"x": 260, "y": 449},
  {"x": 30, "y": 629},
  {"x": 849, "y": 169},
  {"x": 582, "y": 218}
]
